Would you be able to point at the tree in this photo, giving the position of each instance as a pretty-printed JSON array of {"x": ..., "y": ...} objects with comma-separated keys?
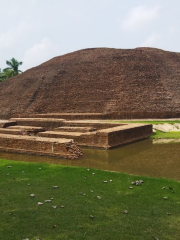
[
  {"x": 13, "y": 67},
  {"x": 6, "y": 74},
  {"x": 2, "y": 77},
  {"x": 10, "y": 71}
]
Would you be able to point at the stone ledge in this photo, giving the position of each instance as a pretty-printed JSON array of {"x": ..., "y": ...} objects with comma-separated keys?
[
  {"x": 7, "y": 123},
  {"x": 65, "y": 148},
  {"x": 107, "y": 137}
]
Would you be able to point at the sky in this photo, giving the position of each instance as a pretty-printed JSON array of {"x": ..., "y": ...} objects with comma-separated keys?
[{"x": 34, "y": 31}]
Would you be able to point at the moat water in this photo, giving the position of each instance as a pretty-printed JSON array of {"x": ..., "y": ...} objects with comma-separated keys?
[{"x": 140, "y": 158}]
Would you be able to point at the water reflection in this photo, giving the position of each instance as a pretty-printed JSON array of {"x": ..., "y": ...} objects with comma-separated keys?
[{"x": 140, "y": 158}]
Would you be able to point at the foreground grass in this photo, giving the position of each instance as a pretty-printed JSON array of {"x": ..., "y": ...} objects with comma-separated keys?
[{"x": 77, "y": 191}]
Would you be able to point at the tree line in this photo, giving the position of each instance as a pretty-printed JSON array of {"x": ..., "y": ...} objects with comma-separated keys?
[{"x": 12, "y": 69}]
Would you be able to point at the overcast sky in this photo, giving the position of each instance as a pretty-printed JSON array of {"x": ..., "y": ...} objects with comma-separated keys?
[{"x": 34, "y": 31}]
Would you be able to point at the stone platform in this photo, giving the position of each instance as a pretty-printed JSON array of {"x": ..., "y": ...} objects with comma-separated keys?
[
  {"x": 61, "y": 138},
  {"x": 105, "y": 135}
]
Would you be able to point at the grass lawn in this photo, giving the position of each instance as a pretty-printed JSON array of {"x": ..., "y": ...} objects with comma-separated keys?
[
  {"x": 92, "y": 209},
  {"x": 166, "y": 135}
]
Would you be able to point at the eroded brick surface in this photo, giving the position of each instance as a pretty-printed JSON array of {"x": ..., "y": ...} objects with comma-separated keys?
[
  {"x": 40, "y": 146},
  {"x": 135, "y": 83}
]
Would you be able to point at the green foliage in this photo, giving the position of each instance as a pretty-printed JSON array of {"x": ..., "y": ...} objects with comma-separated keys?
[
  {"x": 14, "y": 66},
  {"x": 10, "y": 71},
  {"x": 6, "y": 74},
  {"x": 77, "y": 191}
]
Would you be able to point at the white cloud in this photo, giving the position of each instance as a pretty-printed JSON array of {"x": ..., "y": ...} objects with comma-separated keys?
[
  {"x": 152, "y": 40},
  {"x": 40, "y": 53},
  {"x": 172, "y": 31},
  {"x": 139, "y": 17},
  {"x": 10, "y": 38}
]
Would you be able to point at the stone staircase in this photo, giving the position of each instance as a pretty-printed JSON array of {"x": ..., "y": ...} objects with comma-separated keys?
[
  {"x": 21, "y": 136},
  {"x": 59, "y": 137}
]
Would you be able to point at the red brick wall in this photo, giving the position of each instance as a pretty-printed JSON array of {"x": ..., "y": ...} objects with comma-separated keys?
[{"x": 137, "y": 83}]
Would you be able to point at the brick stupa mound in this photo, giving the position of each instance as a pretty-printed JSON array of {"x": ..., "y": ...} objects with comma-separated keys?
[{"x": 136, "y": 83}]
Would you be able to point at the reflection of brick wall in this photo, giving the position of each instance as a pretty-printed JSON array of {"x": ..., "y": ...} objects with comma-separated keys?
[{"x": 136, "y": 83}]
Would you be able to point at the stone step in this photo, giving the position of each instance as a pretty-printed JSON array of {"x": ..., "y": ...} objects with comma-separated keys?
[
  {"x": 58, "y": 134},
  {"x": 12, "y": 131},
  {"x": 40, "y": 146},
  {"x": 75, "y": 129},
  {"x": 92, "y": 124},
  {"x": 47, "y": 123},
  {"x": 70, "y": 116},
  {"x": 7, "y": 123},
  {"x": 26, "y": 130},
  {"x": 52, "y": 123}
]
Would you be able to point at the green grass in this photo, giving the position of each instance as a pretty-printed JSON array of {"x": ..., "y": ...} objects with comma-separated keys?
[
  {"x": 22, "y": 218},
  {"x": 166, "y": 135},
  {"x": 148, "y": 122}
]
